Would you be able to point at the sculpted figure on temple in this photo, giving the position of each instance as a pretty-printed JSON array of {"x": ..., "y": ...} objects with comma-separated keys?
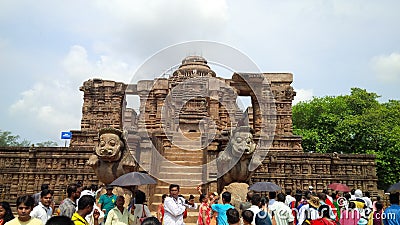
[
  {"x": 112, "y": 158},
  {"x": 234, "y": 162}
]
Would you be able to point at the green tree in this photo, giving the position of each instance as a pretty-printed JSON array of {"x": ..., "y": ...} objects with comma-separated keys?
[
  {"x": 8, "y": 139},
  {"x": 46, "y": 144},
  {"x": 355, "y": 123}
]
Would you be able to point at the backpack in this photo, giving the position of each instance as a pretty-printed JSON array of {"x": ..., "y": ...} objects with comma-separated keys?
[{"x": 262, "y": 218}]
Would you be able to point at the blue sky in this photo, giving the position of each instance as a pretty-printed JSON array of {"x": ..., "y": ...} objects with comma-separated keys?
[{"x": 49, "y": 48}]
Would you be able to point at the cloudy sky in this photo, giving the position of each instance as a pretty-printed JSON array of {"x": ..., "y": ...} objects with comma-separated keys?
[{"x": 49, "y": 48}]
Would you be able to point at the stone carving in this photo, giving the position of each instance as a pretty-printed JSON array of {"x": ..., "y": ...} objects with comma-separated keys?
[
  {"x": 112, "y": 158},
  {"x": 234, "y": 162}
]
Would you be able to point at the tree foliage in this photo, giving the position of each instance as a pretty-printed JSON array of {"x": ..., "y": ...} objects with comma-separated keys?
[
  {"x": 8, "y": 139},
  {"x": 355, "y": 123}
]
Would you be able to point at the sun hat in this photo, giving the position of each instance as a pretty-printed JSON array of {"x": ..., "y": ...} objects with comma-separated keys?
[{"x": 314, "y": 202}]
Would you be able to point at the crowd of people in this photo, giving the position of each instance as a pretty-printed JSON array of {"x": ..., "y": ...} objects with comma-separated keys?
[{"x": 299, "y": 208}]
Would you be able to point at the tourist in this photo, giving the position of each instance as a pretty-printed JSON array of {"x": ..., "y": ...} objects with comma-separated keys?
[
  {"x": 282, "y": 213},
  {"x": 289, "y": 198},
  {"x": 85, "y": 207},
  {"x": 43, "y": 211},
  {"x": 295, "y": 206},
  {"x": 68, "y": 205},
  {"x": 107, "y": 201},
  {"x": 246, "y": 204},
  {"x": 272, "y": 197},
  {"x": 325, "y": 201},
  {"x": 160, "y": 209},
  {"x": 60, "y": 220},
  {"x": 119, "y": 214},
  {"x": 350, "y": 216},
  {"x": 392, "y": 213},
  {"x": 151, "y": 221},
  {"x": 264, "y": 204},
  {"x": 255, "y": 206},
  {"x": 375, "y": 218},
  {"x": 5, "y": 213},
  {"x": 36, "y": 196},
  {"x": 309, "y": 211},
  {"x": 324, "y": 212},
  {"x": 141, "y": 210},
  {"x": 174, "y": 207},
  {"x": 377, "y": 199},
  {"x": 222, "y": 208},
  {"x": 248, "y": 217},
  {"x": 264, "y": 218},
  {"x": 367, "y": 200},
  {"x": 24, "y": 207},
  {"x": 359, "y": 201},
  {"x": 233, "y": 217},
  {"x": 204, "y": 217}
]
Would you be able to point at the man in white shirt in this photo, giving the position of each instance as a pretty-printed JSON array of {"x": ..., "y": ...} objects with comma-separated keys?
[
  {"x": 255, "y": 206},
  {"x": 43, "y": 211},
  {"x": 174, "y": 207},
  {"x": 283, "y": 214},
  {"x": 289, "y": 198}
]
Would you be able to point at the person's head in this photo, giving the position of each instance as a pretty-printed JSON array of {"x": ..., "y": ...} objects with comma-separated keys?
[
  {"x": 352, "y": 191},
  {"x": 140, "y": 197},
  {"x": 24, "y": 207},
  {"x": 358, "y": 193},
  {"x": 249, "y": 195},
  {"x": 264, "y": 201},
  {"x": 347, "y": 196},
  {"x": 247, "y": 216},
  {"x": 151, "y": 221},
  {"x": 163, "y": 197},
  {"x": 378, "y": 198},
  {"x": 73, "y": 192},
  {"x": 324, "y": 211},
  {"x": 281, "y": 197},
  {"x": 109, "y": 189},
  {"x": 311, "y": 188},
  {"x": 226, "y": 197},
  {"x": 93, "y": 187},
  {"x": 256, "y": 199},
  {"x": 394, "y": 198},
  {"x": 60, "y": 220},
  {"x": 46, "y": 197},
  {"x": 6, "y": 212},
  {"x": 232, "y": 215},
  {"x": 203, "y": 198},
  {"x": 379, "y": 206},
  {"x": 174, "y": 190},
  {"x": 85, "y": 204},
  {"x": 272, "y": 195},
  {"x": 321, "y": 196},
  {"x": 367, "y": 194},
  {"x": 288, "y": 192},
  {"x": 352, "y": 205},
  {"x": 44, "y": 187},
  {"x": 120, "y": 201},
  {"x": 191, "y": 199}
]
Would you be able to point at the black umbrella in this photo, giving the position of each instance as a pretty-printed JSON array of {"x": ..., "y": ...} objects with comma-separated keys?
[
  {"x": 394, "y": 188},
  {"x": 264, "y": 186},
  {"x": 133, "y": 179}
]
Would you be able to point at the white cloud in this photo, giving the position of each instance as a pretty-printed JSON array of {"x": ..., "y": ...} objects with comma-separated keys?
[
  {"x": 387, "y": 67},
  {"x": 52, "y": 105},
  {"x": 302, "y": 95}
]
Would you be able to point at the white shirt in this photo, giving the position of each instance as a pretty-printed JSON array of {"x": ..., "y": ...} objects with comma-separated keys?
[
  {"x": 289, "y": 199},
  {"x": 174, "y": 209},
  {"x": 302, "y": 213},
  {"x": 283, "y": 214},
  {"x": 255, "y": 209},
  {"x": 42, "y": 212}
]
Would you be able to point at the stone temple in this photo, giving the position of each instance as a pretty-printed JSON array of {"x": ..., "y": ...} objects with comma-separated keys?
[{"x": 182, "y": 126}]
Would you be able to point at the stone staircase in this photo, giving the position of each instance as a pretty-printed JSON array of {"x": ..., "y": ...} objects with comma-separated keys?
[{"x": 184, "y": 167}]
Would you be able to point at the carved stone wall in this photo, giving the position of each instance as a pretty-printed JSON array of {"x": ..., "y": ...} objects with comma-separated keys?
[{"x": 24, "y": 170}]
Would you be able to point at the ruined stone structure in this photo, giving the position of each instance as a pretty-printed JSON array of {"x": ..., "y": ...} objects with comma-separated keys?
[{"x": 182, "y": 126}]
